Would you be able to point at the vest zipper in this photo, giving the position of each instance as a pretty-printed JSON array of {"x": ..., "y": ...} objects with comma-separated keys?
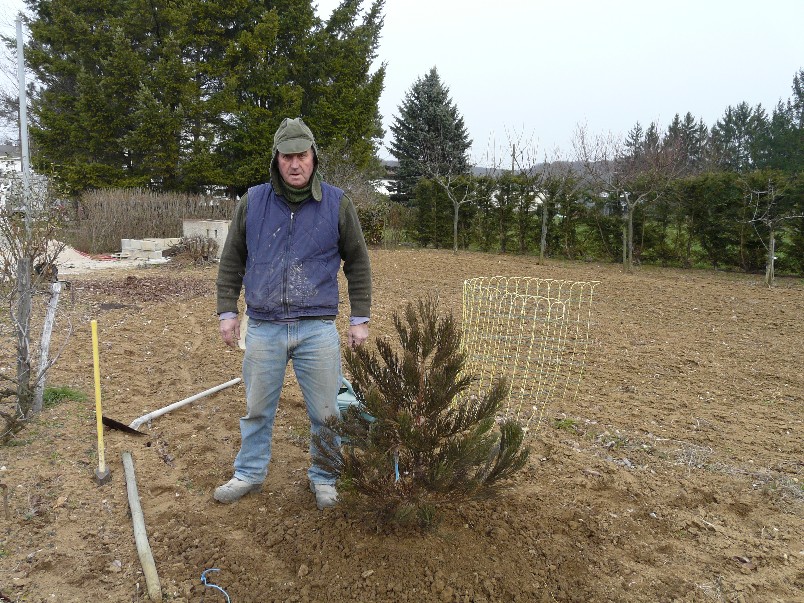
[{"x": 285, "y": 304}]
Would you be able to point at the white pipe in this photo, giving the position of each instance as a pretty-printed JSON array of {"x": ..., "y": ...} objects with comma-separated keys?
[
  {"x": 135, "y": 424},
  {"x": 140, "y": 535}
]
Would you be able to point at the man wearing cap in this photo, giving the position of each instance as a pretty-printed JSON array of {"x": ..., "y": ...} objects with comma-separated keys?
[{"x": 285, "y": 246}]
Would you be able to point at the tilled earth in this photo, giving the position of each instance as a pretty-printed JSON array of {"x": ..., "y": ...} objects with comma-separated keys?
[{"x": 675, "y": 474}]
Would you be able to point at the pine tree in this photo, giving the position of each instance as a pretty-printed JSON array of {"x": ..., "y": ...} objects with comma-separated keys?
[
  {"x": 430, "y": 137},
  {"x": 418, "y": 440},
  {"x": 786, "y": 131},
  {"x": 689, "y": 138}
]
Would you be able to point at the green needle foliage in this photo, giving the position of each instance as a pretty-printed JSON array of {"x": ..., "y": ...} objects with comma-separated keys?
[
  {"x": 181, "y": 95},
  {"x": 419, "y": 440}
]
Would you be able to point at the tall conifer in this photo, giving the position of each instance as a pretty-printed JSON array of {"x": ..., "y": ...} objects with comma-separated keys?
[
  {"x": 429, "y": 133},
  {"x": 151, "y": 93}
]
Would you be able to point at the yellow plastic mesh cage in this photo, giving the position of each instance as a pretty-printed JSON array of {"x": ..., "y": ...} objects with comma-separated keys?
[{"x": 534, "y": 332}]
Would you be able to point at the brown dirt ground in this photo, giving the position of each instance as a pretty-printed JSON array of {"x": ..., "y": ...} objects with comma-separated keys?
[{"x": 679, "y": 477}]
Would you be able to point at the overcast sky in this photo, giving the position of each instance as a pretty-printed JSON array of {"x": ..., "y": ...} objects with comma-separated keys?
[{"x": 536, "y": 69}]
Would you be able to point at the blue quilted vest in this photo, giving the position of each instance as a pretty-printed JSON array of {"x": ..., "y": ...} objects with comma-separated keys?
[{"x": 292, "y": 258}]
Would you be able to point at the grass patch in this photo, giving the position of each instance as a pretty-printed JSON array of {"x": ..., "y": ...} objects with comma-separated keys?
[
  {"x": 21, "y": 441},
  {"x": 565, "y": 424},
  {"x": 55, "y": 395},
  {"x": 611, "y": 441}
]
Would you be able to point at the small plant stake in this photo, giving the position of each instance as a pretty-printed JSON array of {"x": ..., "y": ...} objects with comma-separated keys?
[{"x": 102, "y": 474}]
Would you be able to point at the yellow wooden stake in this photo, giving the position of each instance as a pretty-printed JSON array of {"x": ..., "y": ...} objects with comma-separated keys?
[{"x": 102, "y": 474}]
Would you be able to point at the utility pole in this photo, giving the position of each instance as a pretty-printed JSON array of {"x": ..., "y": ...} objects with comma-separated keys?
[
  {"x": 26, "y": 161},
  {"x": 24, "y": 260}
]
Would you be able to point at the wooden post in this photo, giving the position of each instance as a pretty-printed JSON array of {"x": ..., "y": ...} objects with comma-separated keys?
[{"x": 101, "y": 473}]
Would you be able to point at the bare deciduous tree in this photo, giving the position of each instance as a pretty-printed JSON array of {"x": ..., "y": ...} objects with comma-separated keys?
[
  {"x": 559, "y": 183},
  {"x": 28, "y": 250},
  {"x": 770, "y": 210},
  {"x": 632, "y": 173},
  {"x": 457, "y": 186}
]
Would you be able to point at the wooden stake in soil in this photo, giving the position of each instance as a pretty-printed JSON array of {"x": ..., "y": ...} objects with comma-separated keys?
[
  {"x": 102, "y": 474},
  {"x": 140, "y": 535}
]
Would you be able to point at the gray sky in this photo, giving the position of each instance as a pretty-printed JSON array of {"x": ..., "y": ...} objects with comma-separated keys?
[{"x": 534, "y": 70}]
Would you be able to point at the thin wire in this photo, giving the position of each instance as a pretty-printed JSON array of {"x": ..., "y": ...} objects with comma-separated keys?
[{"x": 210, "y": 585}]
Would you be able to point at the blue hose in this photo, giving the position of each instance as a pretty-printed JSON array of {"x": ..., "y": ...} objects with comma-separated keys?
[{"x": 210, "y": 585}]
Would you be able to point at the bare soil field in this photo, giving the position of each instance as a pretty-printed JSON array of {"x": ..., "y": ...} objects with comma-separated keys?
[{"x": 675, "y": 475}]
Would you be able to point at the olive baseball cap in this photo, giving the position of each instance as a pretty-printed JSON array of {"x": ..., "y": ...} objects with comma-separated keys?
[{"x": 293, "y": 136}]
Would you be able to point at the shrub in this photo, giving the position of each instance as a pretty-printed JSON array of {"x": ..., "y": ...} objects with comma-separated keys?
[
  {"x": 198, "y": 250},
  {"x": 418, "y": 440},
  {"x": 101, "y": 218}
]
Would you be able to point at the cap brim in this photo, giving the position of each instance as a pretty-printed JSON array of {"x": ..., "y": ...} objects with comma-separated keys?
[{"x": 294, "y": 145}]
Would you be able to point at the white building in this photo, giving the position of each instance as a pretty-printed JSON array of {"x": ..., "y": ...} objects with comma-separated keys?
[{"x": 11, "y": 176}]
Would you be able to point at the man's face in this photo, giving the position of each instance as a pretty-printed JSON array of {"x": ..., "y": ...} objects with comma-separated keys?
[{"x": 296, "y": 168}]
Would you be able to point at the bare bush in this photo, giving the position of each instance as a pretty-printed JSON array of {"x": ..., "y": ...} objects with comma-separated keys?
[
  {"x": 101, "y": 218},
  {"x": 371, "y": 205},
  {"x": 28, "y": 221},
  {"x": 198, "y": 250}
]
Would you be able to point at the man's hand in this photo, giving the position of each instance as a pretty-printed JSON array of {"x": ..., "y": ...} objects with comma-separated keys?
[
  {"x": 357, "y": 334},
  {"x": 230, "y": 331}
]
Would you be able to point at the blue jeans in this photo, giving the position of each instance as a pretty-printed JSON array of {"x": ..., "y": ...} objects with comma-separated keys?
[{"x": 314, "y": 348}]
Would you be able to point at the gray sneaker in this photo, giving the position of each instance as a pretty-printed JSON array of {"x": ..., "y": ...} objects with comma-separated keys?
[
  {"x": 325, "y": 495},
  {"x": 234, "y": 490}
]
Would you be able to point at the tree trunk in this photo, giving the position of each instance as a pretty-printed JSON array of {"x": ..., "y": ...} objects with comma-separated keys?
[
  {"x": 456, "y": 208},
  {"x": 23, "y": 322},
  {"x": 625, "y": 244},
  {"x": 44, "y": 348},
  {"x": 769, "y": 273},
  {"x": 688, "y": 250},
  {"x": 630, "y": 238},
  {"x": 543, "y": 240}
]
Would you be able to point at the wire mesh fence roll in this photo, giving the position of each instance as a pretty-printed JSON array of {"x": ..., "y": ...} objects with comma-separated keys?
[{"x": 531, "y": 331}]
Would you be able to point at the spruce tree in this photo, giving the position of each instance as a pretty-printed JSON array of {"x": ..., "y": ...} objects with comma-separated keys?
[
  {"x": 418, "y": 440},
  {"x": 429, "y": 134},
  {"x": 739, "y": 140}
]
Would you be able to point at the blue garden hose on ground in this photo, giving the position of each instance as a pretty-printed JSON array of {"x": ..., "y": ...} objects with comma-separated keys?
[{"x": 210, "y": 585}]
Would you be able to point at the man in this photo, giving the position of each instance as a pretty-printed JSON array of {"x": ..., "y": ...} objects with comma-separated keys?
[{"x": 285, "y": 246}]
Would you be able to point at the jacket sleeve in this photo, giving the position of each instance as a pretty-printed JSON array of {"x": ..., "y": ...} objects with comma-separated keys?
[
  {"x": 356, "y": 264},
  {"x": 232, "y": 265}
]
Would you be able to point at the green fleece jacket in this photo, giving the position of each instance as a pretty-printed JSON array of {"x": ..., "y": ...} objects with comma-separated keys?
[{"x": 351, "y": 246}]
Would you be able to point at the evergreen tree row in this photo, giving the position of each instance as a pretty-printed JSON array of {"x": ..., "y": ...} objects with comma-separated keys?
[
  {"x": 182, "y": 94},
  {"x": 731, "y": 196},
  {"x": 715, "y": 219}
]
